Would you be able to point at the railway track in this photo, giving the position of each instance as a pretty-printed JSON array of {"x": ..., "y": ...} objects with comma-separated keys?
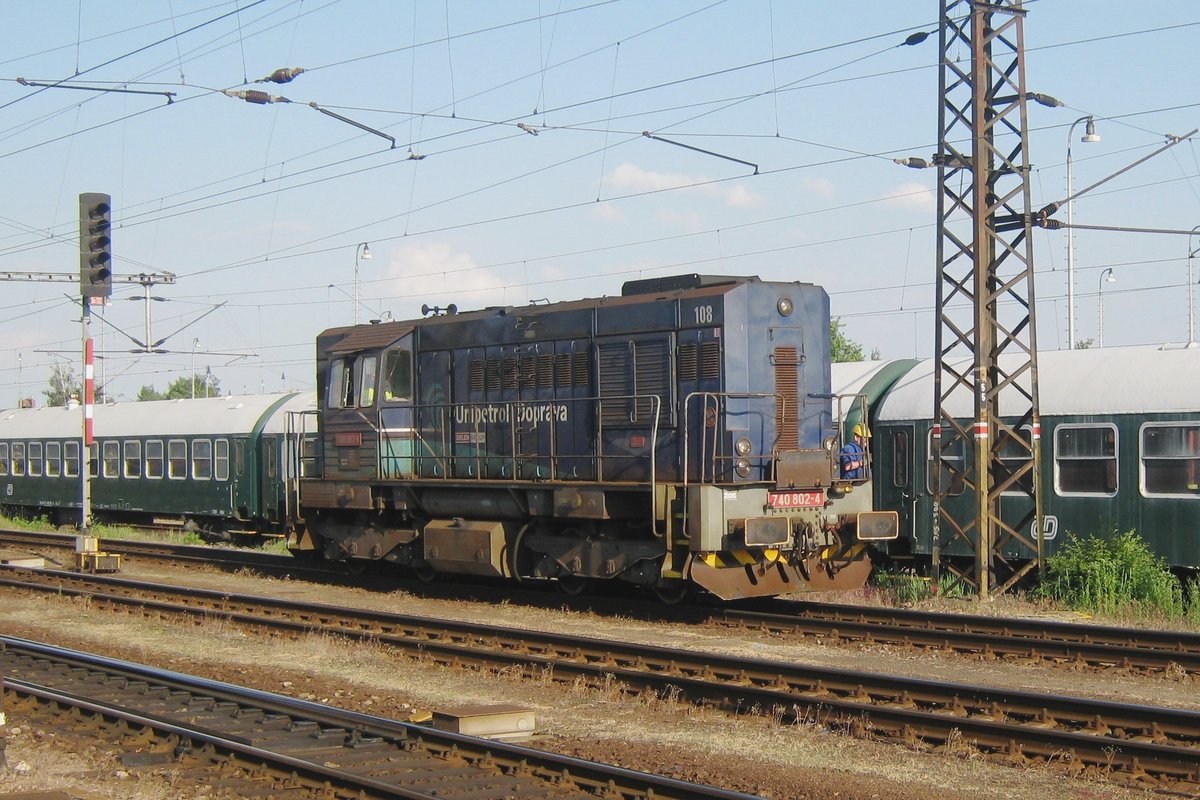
[
  {"x": 1149, "y": 744},
  {"x": 250, "y": 743},
  {"x": 1055, "y": 642}
]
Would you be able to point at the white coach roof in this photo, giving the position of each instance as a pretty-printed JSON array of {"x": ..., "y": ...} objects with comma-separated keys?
[
  {"x": 1110, "y": 380},
  {"x": 215, "y": 415}
]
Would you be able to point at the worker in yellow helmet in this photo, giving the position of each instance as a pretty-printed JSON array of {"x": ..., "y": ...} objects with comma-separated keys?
[{"x": 854, "y": 455}]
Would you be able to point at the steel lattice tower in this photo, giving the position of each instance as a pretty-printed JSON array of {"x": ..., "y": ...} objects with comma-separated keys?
[{"x": 985, "y": 342}]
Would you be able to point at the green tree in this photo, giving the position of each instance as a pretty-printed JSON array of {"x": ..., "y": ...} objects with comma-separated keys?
[
  {"x": 63, "y": 384},
  {"x": 150, "y": 393},
  {"x": 842, "y": 347},
  {"x": 206, "y": 385}
]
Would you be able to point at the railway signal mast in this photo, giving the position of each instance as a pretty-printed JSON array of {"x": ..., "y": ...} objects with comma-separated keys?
[
  {"x": 95, "y": 283},
  {"x": 985, "y": 341}
]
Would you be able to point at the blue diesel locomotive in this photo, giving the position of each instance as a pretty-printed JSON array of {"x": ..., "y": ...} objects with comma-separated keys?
[{"x": 680, "y": 434}]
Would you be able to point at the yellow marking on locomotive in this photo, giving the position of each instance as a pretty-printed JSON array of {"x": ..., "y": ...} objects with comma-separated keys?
[
  {"x": 852, "y": 554},
  {"x": 742, "y": 558}
]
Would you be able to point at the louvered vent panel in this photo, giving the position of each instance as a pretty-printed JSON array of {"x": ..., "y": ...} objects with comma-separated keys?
[
  {"x": 492, "y": 373},
  {"x": 562, "y": 370},
  {"x": 508, "y": 373},
  {"x": 475, "y": 375},
  {"x": 652, "y": 376},
  {"x": 580, "y": 371},
  {"x": 787, "y": 386},
  {"x": 527, "y": 371},
  {"x": 616, "y": 380},
  {"x": 545, "y": 370},
  {"x": 710, "y": 360},
  {"x": 688, "y": 370}
]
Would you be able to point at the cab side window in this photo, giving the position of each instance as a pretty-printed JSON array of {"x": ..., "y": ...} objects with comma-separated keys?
[{"x": 397, "y": 375}]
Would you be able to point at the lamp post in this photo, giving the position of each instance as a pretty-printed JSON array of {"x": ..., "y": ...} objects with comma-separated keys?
[
  {"x": 1108, "y": 276},
  {"x": 362, "y": 251},
  {"x": 195, "y": 342},
  {"x": 1089, "y": 135},
  {"x": 1192, "y": 287}
]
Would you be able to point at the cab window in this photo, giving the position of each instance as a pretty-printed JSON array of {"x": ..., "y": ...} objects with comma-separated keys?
[
  {"x": 366, "y": 380},
  {"x": 397, "y": 375}
]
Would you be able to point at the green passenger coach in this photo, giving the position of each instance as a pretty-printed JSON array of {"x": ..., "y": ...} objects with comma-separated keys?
[{"x": 224, "y": 465}]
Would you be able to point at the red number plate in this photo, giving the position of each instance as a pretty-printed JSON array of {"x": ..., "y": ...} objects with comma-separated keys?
[{"x": 795, "y": 499}]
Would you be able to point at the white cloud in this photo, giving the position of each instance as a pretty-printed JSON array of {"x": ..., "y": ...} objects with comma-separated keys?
[
  {"x": 687, "y": 220},
  {"x": 437, "y": 274},
  {"x": 609, "y": 212},
  {"x": 633, "y": 178},
  {"x": 912, "y": 195},
  {"x": 821, "y": 187}
]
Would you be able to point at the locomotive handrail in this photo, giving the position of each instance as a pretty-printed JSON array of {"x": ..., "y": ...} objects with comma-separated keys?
[{"x": 718, "y": 396}]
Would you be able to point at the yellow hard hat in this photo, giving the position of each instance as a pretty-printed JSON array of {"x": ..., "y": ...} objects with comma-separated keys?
[{"x": 861, "y": 430}]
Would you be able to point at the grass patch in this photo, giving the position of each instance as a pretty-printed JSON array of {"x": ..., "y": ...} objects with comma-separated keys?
[
  {"x": 905, "y": 587},
  {"x": 1118, "y": 575}
]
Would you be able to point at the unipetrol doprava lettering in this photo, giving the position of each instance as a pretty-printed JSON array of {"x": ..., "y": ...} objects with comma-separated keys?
[{"x": 532, "y": 413}]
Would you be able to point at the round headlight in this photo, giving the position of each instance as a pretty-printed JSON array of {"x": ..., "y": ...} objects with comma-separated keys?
[
  {"x": 742, "y": 447},
  {"x": 743, "y": 467},
  {"x": 784, "y": 306}
]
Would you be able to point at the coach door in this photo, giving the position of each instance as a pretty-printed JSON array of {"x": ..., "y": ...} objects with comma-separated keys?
[{"x": 898, "y": 484}]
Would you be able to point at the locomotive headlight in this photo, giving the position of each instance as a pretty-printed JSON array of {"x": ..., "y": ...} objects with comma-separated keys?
[
  {"x": 784, "y": 306},
  {"x": 742, "y": 447},
  {"x": 743, "y": 467}
]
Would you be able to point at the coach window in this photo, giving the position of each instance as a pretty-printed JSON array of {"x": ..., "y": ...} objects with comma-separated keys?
[
  {"x": 176, "y": 459},
  {"x": 239, "y": 457},
  {"x": 202, "y": 459},
  {"x": 397, "y": 375},
  {"x": 154, "y": 459},
  {"x": 3, "y": 459},
  {"x": 952, "y": 469},
  {"x": 18, "y": 459},
  {"x": 112, "y": 459},
  {"x": 366, "y": 380},
  {"x": 1085, "y": 459},
  {"x": 1171, "y": 459},
  {"x": 71, "y": 459},
  {"x": 221, "y": 460},
  {"x": 53, "y": 459},
  {"x": 900, "y": 459},
  {"x": 35, "y": 459},
  {"x": 133, "y": 459}
]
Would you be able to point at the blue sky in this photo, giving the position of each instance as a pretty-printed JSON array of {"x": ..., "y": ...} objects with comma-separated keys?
[{"x": 263, "y": 207}]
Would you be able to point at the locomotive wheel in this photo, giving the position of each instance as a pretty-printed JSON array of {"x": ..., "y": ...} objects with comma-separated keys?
[
  {"x": 673, "y": 593},
  {"x": 425, "y": 573},
  {"x": 574, "y": 585}
]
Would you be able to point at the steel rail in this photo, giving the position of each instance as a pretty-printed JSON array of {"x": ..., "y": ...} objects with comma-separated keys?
[
  {"x": 1158, "y": 742},
  {"x": 1001, "y": 637},
  {"x": 115, "y": 688}
]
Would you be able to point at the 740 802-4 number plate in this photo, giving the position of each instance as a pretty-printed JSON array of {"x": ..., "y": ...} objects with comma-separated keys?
[{"x": 795, "y": 499}]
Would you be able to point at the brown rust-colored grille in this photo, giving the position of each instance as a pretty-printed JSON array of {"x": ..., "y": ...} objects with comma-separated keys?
[
  {"x": 475, "y": 375},
  {"x": 710, "y": 360},
  {"x": 580, "y": 370},
  {"x": 527, "y": 371},
  {"x": 545, "y": 370},
  {"x": 492, "y": 373},
  {"x": 787, "y": 387},
  {"x": 562, "y": 370},
  {"x": 688, "y": 362},
  {"x": 508, "y": 373}
]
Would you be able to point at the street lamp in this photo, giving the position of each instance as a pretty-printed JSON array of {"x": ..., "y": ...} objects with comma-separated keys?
[
  {"x": 362, "y": 251},
  {"x": 1192, "y": 287},
  {"x": 1089, "y": 135},
  {"x": 195, "y": 343},
  {"x": 1108, "y": 276}
]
